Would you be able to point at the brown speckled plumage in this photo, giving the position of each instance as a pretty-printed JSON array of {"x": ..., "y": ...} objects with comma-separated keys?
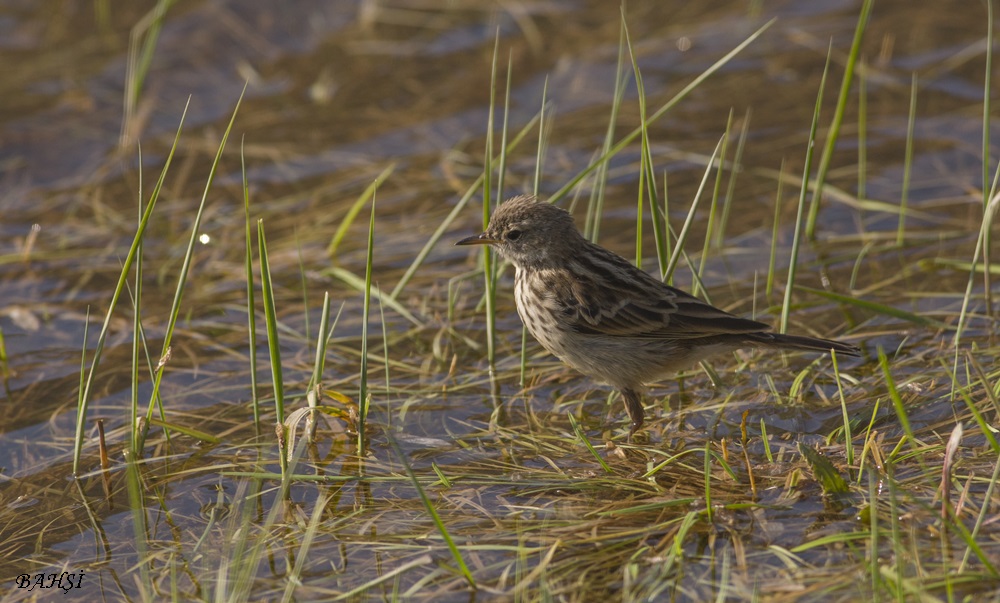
[{"x": 608, "y": 319}]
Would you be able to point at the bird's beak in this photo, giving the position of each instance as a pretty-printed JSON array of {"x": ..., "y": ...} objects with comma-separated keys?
[{"x": 479, "y": 239}]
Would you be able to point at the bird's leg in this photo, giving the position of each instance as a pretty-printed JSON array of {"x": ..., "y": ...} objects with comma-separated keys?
[{"x": 633, "y": 406}]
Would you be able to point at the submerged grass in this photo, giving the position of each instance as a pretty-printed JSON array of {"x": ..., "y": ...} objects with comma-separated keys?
[{"x": 846, "y": 482}]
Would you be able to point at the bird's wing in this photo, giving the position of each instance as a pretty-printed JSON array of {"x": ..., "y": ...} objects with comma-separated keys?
[{"x": 641, "y": 306}]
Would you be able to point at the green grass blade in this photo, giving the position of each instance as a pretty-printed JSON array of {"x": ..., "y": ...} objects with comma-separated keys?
[
  {"x": 319, "y": 363},
  {"x": 766, "y": 441},
  {"x": 897, "y": 400},
  {"x": 863, "y": 132},
  {"x": 682, "y": 236},
  {"x": 134, "y": 429},
  {"x": 355, "y": 209},
  {"x": 456, "y": 555},
  {"x": 271, "y": 320},
  {"x": 317, "y": 519},
  {"x": 139, "y": 60},
  {"x": 737, "y": 167},
  {"x": 175, "y": 307},
  {"x": 358, "y": 284},
  {"x": 904, "y": 196},
  {"x": 984, "y": 425},
  {"x": 539, "y": 159},
  {"x": 197, "y": 434},
  {"x": 84, "y": 398},
  {"x": 489, "y": 267},
  {"x": 806, "y": 169},
  {"x": 707, "y": 474},
  {"x": 983, "y": 512},
  {"x": 663, "y": 214},
  {"x": 848, "y": 438},
  {"x": 595, "y": 206},
  {"x": 645, "y": 168},
  {"x": 578, "y": 430},
  {"x": 825, "y": 473},
  {"x": 838, "y": 115},
  {"x": 876, "y": 308},
  {"x": 137, "y": 511},
  {"x": 445, "y": 225},
  {"x": 988, "y": 193},
  {"x": 363, "y": 397},
  {"x": 502, "y": 168},
  {"x": 714, "y": 204},
  {"x": 775, "y": 229},
  {"x": 677, "y": 98},
  {"x": 251, "y": 301}
]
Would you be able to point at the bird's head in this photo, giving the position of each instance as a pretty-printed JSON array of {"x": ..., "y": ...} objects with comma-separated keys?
[{"x": 528, "y": 232}]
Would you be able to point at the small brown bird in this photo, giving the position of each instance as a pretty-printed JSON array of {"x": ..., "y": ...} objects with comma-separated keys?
[{"x": 608, "y": 319}]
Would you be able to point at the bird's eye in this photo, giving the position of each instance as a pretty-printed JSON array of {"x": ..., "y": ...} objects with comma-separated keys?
[{"x": 513, "y": 235}]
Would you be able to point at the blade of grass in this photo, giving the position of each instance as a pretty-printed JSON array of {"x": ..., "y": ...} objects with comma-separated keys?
[
  {"x": 188, "y": 431},
  {"x": 459, "y": 207},
  {"x": 139, "y": 61},
  {"x": 586, "y": 442},
  {"x": 987, "y": 119},
  {"x": 806, "y": 170},
  {"x": 766, "y": 441},
  {"x": 707, "y": 471},
  {"x": 682, "y": 236},
  {"x": 872, "y": 548},
  {"x": 456, "y": 555},
  {"x": 319, "y": 359},
  {"x": 363, "y": 396},
  {"x": 319, "y": 363},
  {"x": 775, "y": 224},
  {"x": 316, "y": 519},
  {"x": 863, "y": 132},
  {"x": 876, "y": 307},
  {"x": 83, "y": 400},
  {"x": 358, "y": 284},
  {"x": 175, "y": 307},
  {"x": 273, "y": 343},
  {"x": 663, "y": 247},
  {"x": 539, "y": 158},
  {"x": 501, "y": 180},
  {"x": 869, "y": 440},
  {"x": 983, "y": 512},
  {"x": 963, "y": 316},
  {"x": 135, "y": 431},
  {"x": 489, "y": 269},
  {"x": 502, "y": 168},
  {"x": 712, "y": 207},
  {"x": 251, "y": 301},
  {"x": 355, "y": 209},
  {"x": 595, "y": 205},
  {"x": 838, "y": 115},
  {"x": 824, "y": 472},
  {"x": 720, "y": 232},
  {"x": 848, "y": 438},
  {"x": 137, "y": 510},
  {"x": 897, "y": 400},
  {"x": 907, "y": 163},
  {"x": 625, "y": 141},
  {"x": 644, "y": 154}
]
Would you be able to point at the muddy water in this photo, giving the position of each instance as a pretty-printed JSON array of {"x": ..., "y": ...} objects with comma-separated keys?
[{"x": 338, "y": 92}]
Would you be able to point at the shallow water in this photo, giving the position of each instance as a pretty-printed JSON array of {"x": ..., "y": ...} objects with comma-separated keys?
[{"x": 335, "y": 93}]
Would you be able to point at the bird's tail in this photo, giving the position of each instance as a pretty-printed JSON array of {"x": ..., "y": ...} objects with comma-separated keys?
[{"x": 799, "y": 342}]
